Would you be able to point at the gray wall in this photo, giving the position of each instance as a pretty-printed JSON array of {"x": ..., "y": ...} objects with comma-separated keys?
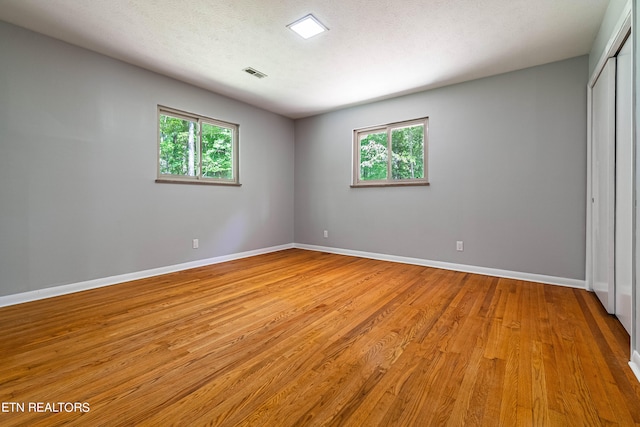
[
  {"x": 78, "y": 199},
  {"x": 78, "y": 162},
  {"x": 507, "y": 169}
]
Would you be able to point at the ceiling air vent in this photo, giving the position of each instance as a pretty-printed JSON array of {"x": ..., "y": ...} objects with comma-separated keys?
[{"x": 254, "y": 72}]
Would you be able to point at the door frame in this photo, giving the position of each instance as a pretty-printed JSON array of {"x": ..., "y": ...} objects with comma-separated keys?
[
  {"x": 618, "y": 37},
  {"x": 614, "y": 45},
  {"x": 605, "y": 202}
]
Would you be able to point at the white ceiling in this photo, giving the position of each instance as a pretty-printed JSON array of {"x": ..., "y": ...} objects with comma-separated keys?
[{"x": 373, "y": 49}]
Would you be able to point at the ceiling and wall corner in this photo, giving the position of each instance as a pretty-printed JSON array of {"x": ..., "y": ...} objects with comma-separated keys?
[{"x": 372, "y": 51}]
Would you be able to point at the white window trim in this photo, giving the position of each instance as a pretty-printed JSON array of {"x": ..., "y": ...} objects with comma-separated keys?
[
  {"x": 389, "y": 182},
  {"x": 198, "y": 179}
]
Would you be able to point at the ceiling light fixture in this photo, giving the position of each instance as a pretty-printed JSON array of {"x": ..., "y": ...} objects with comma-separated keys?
[{"x": 308, "y": 26}]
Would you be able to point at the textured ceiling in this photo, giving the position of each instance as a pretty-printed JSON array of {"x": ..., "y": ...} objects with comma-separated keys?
[{"x": 373, "y": 49}]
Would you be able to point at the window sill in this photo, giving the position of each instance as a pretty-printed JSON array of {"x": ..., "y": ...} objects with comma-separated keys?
[
  {"x": 197, "y": 182},
  {"x": 391, "y": 184}
]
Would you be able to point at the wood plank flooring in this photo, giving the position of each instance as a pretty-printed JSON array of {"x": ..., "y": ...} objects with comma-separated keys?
[{"x": 302, "y": 338}]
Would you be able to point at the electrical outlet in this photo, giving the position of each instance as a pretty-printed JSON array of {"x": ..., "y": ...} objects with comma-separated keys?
[
  {"x": 459, "y": 246},
  {"x": 196, "y": 243},
  {"x": 326, "y": 234}
]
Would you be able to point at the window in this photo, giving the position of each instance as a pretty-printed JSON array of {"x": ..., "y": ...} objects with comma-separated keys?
[
  {"x": 407, "y": 164},
  {"x": 196, "y": 149}
]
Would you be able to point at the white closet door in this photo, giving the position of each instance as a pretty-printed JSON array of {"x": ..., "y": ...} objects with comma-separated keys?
[
  {"x": 603, "y": 185},
  {"x": 624, "y": 188}
]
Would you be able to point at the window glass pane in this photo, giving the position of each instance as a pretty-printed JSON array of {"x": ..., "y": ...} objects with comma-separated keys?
[
  {"x": 178, "y": 146},
  {"x": 373, "y": 156},
  {"x": 407, "y": 146},
  {"x": 217, "y": 151}
]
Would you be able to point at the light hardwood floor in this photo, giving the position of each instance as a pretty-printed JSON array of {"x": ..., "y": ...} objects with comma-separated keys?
[{"x": 301, "y": 338}]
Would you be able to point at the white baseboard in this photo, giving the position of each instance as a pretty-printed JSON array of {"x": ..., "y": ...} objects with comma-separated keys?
[
  {"x": 539, "y": 278},
  {"x": 635, "y": 363},
  {"x": 107, "y": 281},
  {"x": 113, "y": 280}
]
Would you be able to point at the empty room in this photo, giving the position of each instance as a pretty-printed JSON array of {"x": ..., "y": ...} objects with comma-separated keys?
[{"x": 301, "y": 213}]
